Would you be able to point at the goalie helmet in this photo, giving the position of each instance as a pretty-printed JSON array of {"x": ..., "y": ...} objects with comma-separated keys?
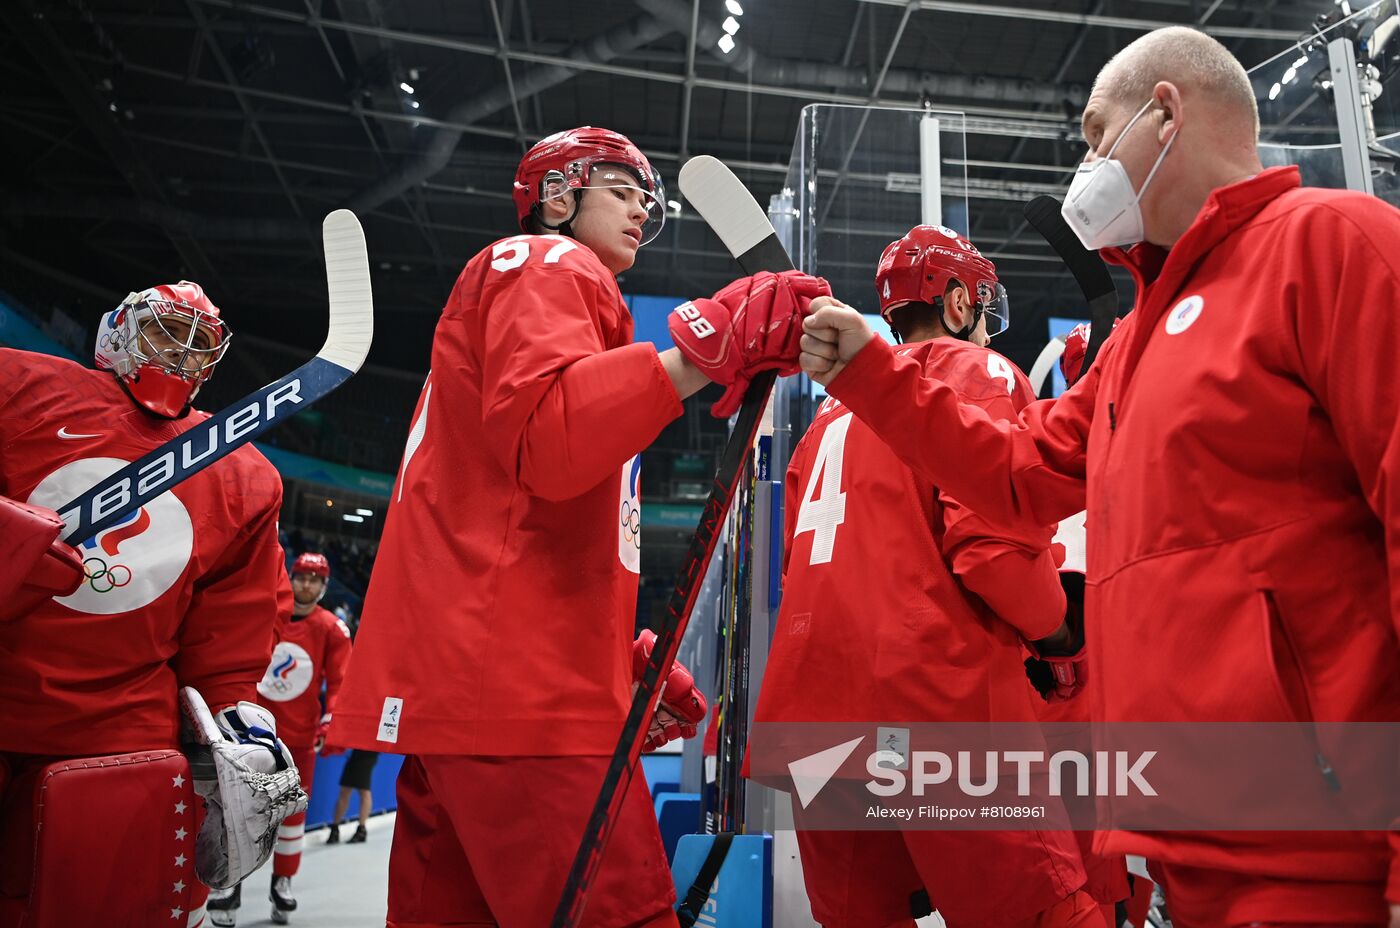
[
  {"x": 162, "y": 345},
  {"x": 918, "y": 268},
  {"x": 565, "y": 161}
]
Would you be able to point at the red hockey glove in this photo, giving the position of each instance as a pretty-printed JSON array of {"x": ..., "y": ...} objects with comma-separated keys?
[
  {"x": 319, "y": 744},
  {"x": 34, "y": 564},
  {"x": 752, "y": 325},
  {"x": 682, "y": 705},
  {"x": 1058, "y": 667}
]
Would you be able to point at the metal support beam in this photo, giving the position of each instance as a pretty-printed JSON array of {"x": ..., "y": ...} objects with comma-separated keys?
[
  {"x": 32, "y": 26},
  {"x": 203, "y": 23},
  {"x": 1087, "y": 19},
  {"x": 1346, "y": 95}
]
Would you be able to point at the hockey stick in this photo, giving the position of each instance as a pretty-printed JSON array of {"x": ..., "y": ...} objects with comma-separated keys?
[
  {"x": 743, "y": 226},
  {"x": 347, "y": 342},
  {"x": 1044, "y": 362},
  {"x": 1087, "y": 268}
]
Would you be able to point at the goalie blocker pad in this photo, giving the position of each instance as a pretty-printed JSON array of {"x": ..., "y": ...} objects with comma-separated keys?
[
  {"x": 122, "y": 826},
  {"x": 34, "y": 564},
  {"x": 248, "y": 782}
]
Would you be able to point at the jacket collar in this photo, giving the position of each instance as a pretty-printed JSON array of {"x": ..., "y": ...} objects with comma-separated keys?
[
  {"x": 1225, "y": 210},
  {"x": 1159, "y": 273}
]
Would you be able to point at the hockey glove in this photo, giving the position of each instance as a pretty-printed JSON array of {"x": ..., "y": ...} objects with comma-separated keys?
[
  {"x": 682, "y": 705},
  {"x": 320, "y": 745},
  {"x": 752, "y": 325},
  {"x": 249, "y": 785},
  {"x": 34, "y": 564},
  {"x": 1058, "y": 667}
]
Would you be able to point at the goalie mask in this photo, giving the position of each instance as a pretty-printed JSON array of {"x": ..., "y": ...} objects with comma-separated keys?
[
  {"x": 919, "y": 267},
  {"x": 162, "y": 345},
  {"x": 585, "y": 158}
]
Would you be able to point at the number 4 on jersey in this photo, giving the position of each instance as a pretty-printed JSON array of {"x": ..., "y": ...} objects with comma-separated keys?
[{"x": 824, "y": 513}]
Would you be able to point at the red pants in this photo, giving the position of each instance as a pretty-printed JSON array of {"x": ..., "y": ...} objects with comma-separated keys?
[
  {"x": 1198, "y": 898},
  {"x": 489, "y": 841},
  {"x": 996, "y": 879},
  {"x": 286, "y": 857}
]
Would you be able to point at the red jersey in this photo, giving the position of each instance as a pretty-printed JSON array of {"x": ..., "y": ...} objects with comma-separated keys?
[
  {"x": 183, "y": 593},
  {"x": 500, "y": 614},
  {"x": 903, "y": 604},
  {"x": 1238, "y": 445},
  {"x": 308, "y": 649}
]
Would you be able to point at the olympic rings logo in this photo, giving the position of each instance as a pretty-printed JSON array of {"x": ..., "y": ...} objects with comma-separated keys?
[
  {"x": 632, "y": 523},
  {"x": 104, "y": 579}
]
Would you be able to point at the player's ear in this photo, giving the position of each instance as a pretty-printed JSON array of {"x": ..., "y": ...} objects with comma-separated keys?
[
  {"x": 955, "y": 304},
  {"x": 556, "y": 209}
]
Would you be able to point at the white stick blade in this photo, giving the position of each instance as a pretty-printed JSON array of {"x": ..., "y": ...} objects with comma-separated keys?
[
  {"x": 347, "y": 280},
  {"x": 725, "y": 203}
]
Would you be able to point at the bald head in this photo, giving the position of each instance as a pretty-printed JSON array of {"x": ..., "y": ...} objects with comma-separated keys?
[{"x": 1194, "y": 62}]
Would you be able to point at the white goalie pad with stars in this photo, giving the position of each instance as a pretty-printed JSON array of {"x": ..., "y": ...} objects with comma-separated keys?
[{"x": 249, "y": 784}]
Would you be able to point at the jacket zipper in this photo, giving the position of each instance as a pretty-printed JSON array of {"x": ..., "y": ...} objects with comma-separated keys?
[{"x": 1324, "y": 766}]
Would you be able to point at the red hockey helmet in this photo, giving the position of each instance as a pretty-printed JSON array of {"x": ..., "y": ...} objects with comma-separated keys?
[
  {"x": 918, "y": 267},
  {"x": 312, "y": 564},
  {"x": 565, "y": 161},
  {"x": 162, "y": 344}
]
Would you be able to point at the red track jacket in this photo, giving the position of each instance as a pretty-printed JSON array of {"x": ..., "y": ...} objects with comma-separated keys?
[{"x": 1239, "y": 447}]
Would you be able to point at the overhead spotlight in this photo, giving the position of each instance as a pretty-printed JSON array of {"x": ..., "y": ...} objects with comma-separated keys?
[
  {"x": 1289, "y": 75},
  {"x": 364, "y": 512},
  {"x": 348, "y": 517},
  {"x": 413, "y": 103},
  {"x": 730, "y": 25},
  {"x": 726, "y": 43},
  {"x": 674, "y": 204},
  {"x": 1274, "y": 91},
  {"x": 1300, "y": 62},
  {"x": 405, "y": 86},
  {"x": 734, "y": 7}
]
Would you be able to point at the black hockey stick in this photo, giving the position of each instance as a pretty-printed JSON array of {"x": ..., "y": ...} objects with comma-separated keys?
[
  {"x": 1087, "y": 268},
  {"x": 347, "y": 342},
  {"x": 743, "y": 226}
]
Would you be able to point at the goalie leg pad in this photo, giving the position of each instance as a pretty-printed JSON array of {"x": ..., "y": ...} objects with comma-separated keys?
[{"x": 124, "y": 825}]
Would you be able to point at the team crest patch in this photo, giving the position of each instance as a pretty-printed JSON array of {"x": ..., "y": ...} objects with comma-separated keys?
[
  {"x": 1185, "y": 313},
  {"x": 288, "y": 674},
  {"x": 133, "y": 563}
]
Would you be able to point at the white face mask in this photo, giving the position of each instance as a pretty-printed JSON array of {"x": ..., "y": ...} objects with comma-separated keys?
[{"x": 1102, "y": 207}]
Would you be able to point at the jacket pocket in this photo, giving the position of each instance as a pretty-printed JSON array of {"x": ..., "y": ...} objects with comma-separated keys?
[{"x": 1290, "y": 682}]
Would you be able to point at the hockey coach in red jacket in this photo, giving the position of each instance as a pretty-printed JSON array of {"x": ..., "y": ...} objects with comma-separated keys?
[{"x": 1238, "y": 448}]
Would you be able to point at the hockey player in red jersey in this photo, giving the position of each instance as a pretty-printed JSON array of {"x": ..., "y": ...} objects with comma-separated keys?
[
  {"x": 184, "y": 593},
  {"x": 518, "y": 492},
  {"x": 312, "y": 648},
  {"x": 1236, "y": 446},
  {"x": 908, "y": 607}
]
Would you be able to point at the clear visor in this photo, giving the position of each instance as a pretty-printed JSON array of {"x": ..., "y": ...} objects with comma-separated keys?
[
  {"x": 619, "y": 178},
  {"x": 180, "y": 339},
  {"x": 996, "y": 309}
]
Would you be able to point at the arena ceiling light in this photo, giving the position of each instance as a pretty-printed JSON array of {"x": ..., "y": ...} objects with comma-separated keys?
[
  {"x": 733, "y": 7},
  {"x": 364, "y": 512},
  {"x": 351, "y": 517},
  {"x": 406, "y": 87},
  {"x": 730, "y": 25},
  {"x": 726, "y": 43}
]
